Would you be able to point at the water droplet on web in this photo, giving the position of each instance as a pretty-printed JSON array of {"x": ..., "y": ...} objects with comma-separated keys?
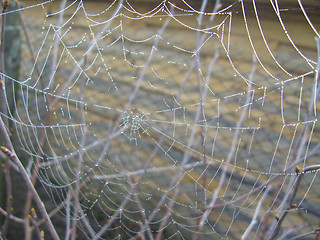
[
  {"x": 134, "y": 124},
  {"x": 137, "y": 127}
]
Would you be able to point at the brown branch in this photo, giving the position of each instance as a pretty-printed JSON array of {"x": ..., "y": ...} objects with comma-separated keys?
[
  {"x": 3, "y": 107},
  {"x": 13, "y": 157},
  {"x": 11, "y": 217},
  {"x": 313, "y": 168}
]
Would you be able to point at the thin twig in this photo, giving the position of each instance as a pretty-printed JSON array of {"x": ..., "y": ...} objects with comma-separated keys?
[
  {"x": 313, "y": 168},
  {"x": 79, "y": 166},
  {"x": 13, "y": 218},
  {"x": 3, "y": 109},
  {"x": 232, "y": 148},
  {"x": 129, "y": 102},
  {"x": 13, "y": 157},
  {"x": 255, "y": 216}
]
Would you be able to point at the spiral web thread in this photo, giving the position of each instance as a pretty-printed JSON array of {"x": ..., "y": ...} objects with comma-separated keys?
[{"x": 171, "y": 119}]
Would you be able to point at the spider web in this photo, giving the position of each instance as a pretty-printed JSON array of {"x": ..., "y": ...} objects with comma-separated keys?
[{"x": 172, "y": 119}]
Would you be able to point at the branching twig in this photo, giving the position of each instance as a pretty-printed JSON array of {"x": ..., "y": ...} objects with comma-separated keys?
[
  {"x": 255, "y": 216},
  {"x": 3, "y": 109},
  {"x": 313, "y": 168},
  {"x": 13, "y": 157},
  {"x": 232, "y": 149}
]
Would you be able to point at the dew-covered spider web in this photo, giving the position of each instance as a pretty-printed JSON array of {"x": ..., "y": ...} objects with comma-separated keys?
[{"x": 171, "y": 119}]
